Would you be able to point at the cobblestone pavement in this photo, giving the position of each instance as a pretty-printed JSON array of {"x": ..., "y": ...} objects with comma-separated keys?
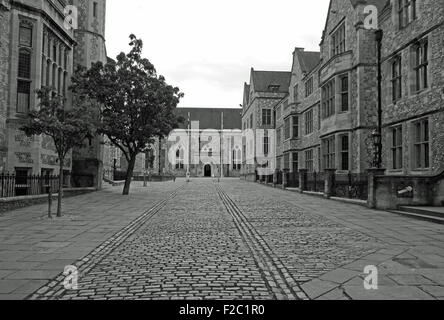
[
  {"x": 34, "y": 249},
  {"x": 236, "y": 240}
]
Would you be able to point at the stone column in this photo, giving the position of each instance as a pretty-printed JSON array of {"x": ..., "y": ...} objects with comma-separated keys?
[
  {"x": 372, "y": 201},
  {"x": 275, "y": 177},
  {"x": 284, "y": 178},
  {"x": 303, "y": 179},
  {"x": 329, "y": 182}
]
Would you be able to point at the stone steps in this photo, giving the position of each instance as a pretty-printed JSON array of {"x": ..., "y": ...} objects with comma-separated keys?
[{"x": 432, "y": 214}]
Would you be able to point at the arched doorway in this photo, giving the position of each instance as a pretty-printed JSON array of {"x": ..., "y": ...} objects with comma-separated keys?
[{"x": 207, "y": 171}]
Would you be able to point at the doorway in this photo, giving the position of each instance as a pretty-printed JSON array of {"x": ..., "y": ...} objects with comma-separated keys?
[{"x": 207, "y": 171}]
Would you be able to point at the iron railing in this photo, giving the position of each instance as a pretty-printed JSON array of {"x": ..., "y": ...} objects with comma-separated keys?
[
  {"x": 12, "y": 185},
  {"x": 352, "y": 186}
]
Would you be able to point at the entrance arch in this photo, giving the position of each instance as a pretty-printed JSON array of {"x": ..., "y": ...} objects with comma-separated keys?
[{"x": 207, "y": 171}]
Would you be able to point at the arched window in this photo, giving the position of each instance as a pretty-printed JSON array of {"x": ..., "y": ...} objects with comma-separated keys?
[
  {"x": 180, "y": 159},
  {"x": 237, "y": 158}
]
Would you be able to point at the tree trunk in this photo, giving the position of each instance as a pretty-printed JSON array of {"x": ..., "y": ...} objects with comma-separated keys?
[
  {"x": 59, "y": 203},
  {"x": 129, "y": 175}
]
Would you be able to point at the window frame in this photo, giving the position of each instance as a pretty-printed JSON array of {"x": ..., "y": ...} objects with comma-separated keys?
[
  {"x": 421, "y": 65},
  {"x": 344, "y": 92},
  {"x": 309, "y": 121},
  {"x": 421, "y": 145},
  {"x": 397, "y": 162},
  {"x": 396, "y": 78}
]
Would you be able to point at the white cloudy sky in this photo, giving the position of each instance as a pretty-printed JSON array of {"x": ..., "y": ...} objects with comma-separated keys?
[{"x": 207, "y": 47}]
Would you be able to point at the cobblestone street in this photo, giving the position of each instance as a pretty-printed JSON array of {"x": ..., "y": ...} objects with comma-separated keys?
[{"x": 232, "y": 240}]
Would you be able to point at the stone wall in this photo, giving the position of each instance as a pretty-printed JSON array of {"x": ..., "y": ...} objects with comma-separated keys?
[{"x": 4, "y": 78}]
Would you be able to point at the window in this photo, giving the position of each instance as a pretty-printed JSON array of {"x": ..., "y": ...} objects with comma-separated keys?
[
  {"x": 287, "y": 161},
  {"x": 309, "y": 122},
  {"x": 24, "y": 64},
  {"x": 397, "y": 148},
  {"x": 95, "y": 9},
  {"x": 54, "y": 53},
  {"x": 237, "y": 159},
  {"x": 295, "y": 127},
  {"x": 309, "y": 87},
  {"x": 421, "y": 144},
  {"x": 328, "y": 99},
  {"x": 278, "y": 136},
  {"x": 25, "y": 35},
  {"x": 278, "y": 112},
  {"x": 396, "y": 79},
  {"x": 338, "y": 41},
  {"x": 344, "y": 93},
  {"x": 295, "y": 162},
  {"x": 309, "y": 165},
  {"x": 344, "y": 153},
  {"x": 407, "y": 12},
  {"x": 23, "y": 96},
  {"x": 287, "y": 128},
  {"x": 48, "y": 73},
  {"x": 266, "y": 117},
  {"x": 266, "y": 146},
  {"x": 210, "y": 152},
  {"x": 328, "y": 146},
  {"x": 296, "y": 93},
  {"x": 421, "y": 65},
  {"x": 180, "y": 159},
  {"x": 251, "y": 121},
  {"x": 274, "y": 88}
]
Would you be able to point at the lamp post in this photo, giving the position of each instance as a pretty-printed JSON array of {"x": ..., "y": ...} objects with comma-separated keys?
[{"x": 377, "y": 136}]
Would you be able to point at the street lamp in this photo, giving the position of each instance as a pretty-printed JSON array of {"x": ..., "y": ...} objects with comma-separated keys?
[{"x": 377, "y": 143}]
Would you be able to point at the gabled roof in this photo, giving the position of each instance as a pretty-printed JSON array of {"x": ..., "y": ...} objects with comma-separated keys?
[
  {"x": 210, "y": 118},
  {"x": 308, "y": 60},
  {"x": 262, "y": 80}
]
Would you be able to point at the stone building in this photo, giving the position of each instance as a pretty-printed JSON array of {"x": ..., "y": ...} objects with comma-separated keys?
[
  {"x": 413, "y": 87},
  {"x": 326, "y": 116},
  {"x": 265, "y": 90},
  {"x": 88, "y": 162},
  {"x": 208, "y": 143},
  {"x": 35, "y": 50},
  {"x": 38, "y": 49}
]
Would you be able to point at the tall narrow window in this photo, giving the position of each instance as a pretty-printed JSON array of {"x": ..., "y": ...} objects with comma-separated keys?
[
  {"x": 328, "y": 146},
  {"x": 95, "y": 9},
  {"x": 287, "y": 161},
  {"x": 309, "y": 163},
  {"x": 397, "y": 148},
  {"x": 338, "y": 40},
  {"x": 266, "y": 117},
  {"x": 421, "y": 65},
  {"x": 344, "y": 153},
  {"x": 23, "y": 96},
  {"x": 25, "y": 35},
  {"x": 396, "y": 79},
  {"x": 24, "y": 64},
  {"x": 295, "y": 162},
  {"x": 309, "y": 122},
  {"x": 407, "y": 12},
  {"x": 421, "y": 144},
  {"x": 328, "y": 99},
  {"x": 309, "y": 87},
  {"x": 287, "y": 128},
  {"x": 180, "y": 159},
  {"x": 251, "y": 121},
  {"x": 296, "y": 94},
  {"x": 295, "y": 127},
  {"x": 266, "y": 146},
  {"x": 344, "y": 93}
]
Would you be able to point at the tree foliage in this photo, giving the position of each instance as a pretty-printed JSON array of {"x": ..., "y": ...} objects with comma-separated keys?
[{"x": 137, "y": 105}]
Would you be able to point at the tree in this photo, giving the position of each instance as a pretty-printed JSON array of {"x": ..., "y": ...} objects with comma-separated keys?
[
  {"x": 68, "y": 127},
  {"x": 137, "y": 105}
]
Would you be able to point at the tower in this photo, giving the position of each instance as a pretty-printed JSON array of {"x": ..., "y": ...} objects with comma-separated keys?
[{"x": 90, "y": 37}]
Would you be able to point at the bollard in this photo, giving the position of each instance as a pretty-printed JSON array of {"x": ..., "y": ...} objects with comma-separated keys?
[{"x": 49, "y": 203}]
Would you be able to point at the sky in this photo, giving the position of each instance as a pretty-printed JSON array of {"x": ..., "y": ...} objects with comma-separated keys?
[{"x": 207, "y": 47}]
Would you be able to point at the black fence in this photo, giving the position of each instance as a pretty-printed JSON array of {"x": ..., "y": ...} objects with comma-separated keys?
[
  {"x": 12, "y": 185},
  {"x": 352, "y": 186},
  {"x": 293, "y": 179},
  {"x": 316, "y": 181}
]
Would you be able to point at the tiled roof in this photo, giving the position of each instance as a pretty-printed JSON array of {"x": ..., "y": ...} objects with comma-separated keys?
[
  {"x": 210, "y": 118},
  {"x": 262, "y": 80},
  {"x": 309, "y": 60}
]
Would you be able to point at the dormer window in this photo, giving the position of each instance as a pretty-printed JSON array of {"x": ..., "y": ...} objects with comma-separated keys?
[
  {"x": 407, "y": 12},
  {"x": 273, "y": 88}
]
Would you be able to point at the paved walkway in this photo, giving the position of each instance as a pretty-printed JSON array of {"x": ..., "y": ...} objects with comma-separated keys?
[{"x": 209, "y": 240}]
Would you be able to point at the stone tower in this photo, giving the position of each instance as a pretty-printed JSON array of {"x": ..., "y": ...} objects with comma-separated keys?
[{"x": 90, "y": 37}]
